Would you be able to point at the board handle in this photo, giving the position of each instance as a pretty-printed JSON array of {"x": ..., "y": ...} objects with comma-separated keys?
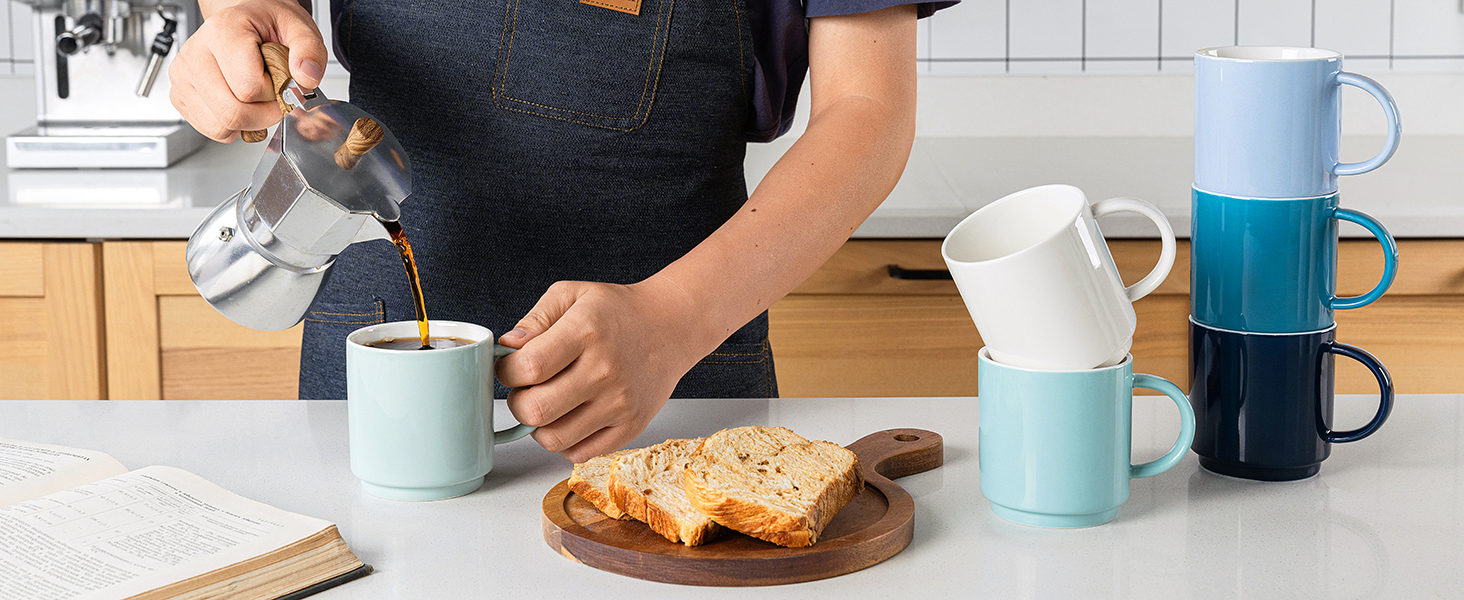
[{"x": 895, "y": 453}]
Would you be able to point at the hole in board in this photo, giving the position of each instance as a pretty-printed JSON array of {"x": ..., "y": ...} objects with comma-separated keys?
[{"x": 905, "y": 437}]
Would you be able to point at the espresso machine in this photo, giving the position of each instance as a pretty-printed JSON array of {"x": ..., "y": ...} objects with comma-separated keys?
[{"x": 102, "y": 85}]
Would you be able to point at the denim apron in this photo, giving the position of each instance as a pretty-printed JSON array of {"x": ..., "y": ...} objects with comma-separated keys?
[{"x": 550, "y": 140}]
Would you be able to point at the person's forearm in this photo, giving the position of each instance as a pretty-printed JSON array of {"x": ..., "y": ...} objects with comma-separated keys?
[{"x": 832, "y": 178}]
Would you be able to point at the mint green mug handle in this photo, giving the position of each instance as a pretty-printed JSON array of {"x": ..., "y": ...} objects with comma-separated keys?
[
  {"x": 517, "y": 431},
  {"x": 1186, "y": 427}
]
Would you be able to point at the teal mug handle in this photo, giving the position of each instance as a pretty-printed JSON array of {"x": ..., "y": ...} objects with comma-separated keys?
[
  {"x": 1390, "y": 112},
  {"x": 517, "y": 431},
  {"x": 1186, "y": 426},
  {"x": 1390, "y": 259}
]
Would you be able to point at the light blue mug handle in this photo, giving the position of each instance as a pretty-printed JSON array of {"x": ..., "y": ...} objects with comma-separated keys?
[
  {"x": 517, "y": 431},
  {"x": 1390, "y": 259},
  {"x": 1390, "y": 111},
  {"x": 1186, "y": 426}
]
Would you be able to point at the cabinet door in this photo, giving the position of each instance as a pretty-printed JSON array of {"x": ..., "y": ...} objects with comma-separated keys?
[
  {"x": 50, "y": 322},
  {"x": 165, "y": 342}
]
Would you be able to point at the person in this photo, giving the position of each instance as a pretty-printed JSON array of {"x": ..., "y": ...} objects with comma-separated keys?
[{"x": 579, "y": 164}]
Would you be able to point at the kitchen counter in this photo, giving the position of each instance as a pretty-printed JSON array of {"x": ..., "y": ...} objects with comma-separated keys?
[
  {"x": 1385, "y": 518},
  {"x": 1418, "y": 194}
]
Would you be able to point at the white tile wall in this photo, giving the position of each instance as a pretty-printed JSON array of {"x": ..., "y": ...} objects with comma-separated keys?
[
  {"x": 991, "y": 37},
  {"x": 1152, "y": 36}
]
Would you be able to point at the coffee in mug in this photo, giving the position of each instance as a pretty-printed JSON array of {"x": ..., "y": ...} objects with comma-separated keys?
[{"x": 415, "y": 343}]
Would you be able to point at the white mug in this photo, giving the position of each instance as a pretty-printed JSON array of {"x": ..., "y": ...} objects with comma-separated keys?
[{"x": 1040, "y": 283}]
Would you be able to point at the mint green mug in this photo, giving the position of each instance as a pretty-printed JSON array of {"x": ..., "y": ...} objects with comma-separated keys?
[
  {"x": 1054, "y": 445},
  {"x": 420, "y": 422}
]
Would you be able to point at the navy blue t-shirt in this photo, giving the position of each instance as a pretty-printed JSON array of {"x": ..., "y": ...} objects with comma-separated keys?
[{"x": 779, "y": 51}]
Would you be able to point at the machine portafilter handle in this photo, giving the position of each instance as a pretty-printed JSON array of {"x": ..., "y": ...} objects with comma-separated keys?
[{"x": 277, "y": 67}]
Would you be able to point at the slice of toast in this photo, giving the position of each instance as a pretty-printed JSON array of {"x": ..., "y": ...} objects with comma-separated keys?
[
  {"x": 771, "y": 483},
  {"x": 591, "y": 480},
  {"x": 646, "y": 484}
]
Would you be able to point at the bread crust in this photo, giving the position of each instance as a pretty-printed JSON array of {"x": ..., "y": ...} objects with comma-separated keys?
[
  {"x": 601, "y": 501},
  {"x": 590, "y": 492},
  {"x": 638, "y": 506},
  {"x": 765, "y": 523}
]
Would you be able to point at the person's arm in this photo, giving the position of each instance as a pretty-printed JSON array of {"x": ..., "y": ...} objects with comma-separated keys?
[{"x": 603, "y": 359}]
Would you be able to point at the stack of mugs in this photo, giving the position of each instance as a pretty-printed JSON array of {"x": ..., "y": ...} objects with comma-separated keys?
[
  {"x": 1056, "y": 379},
  {"x": 1263, "y": 276}
]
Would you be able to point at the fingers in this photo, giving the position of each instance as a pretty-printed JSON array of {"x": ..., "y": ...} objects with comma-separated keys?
[
  {"x": 307, "y": 49},
  {"x": 548, "y": 341},
  {"x": 604, "y": 441},
  {"x": 229, "y": 111}
]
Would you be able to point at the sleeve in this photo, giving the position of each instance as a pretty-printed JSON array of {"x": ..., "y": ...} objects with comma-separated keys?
[{"x": 829, "y": 8}]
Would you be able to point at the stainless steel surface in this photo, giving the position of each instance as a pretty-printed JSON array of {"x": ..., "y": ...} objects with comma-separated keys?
[
  {"x": 89, "y": 55},
  {"x": 242, "y": 281},
  {"x": 84, "y": 146},
  {"x": 300, "y": 211},
  {"x": 150, "y": 75}
]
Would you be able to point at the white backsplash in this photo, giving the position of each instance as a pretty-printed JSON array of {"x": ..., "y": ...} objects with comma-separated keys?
[
  {"x": 1053, "y": 37},
  {"x": 1044, "y": 68}
]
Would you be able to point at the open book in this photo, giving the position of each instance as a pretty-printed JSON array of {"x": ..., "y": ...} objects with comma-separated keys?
[{"x": 75, "y": 524}]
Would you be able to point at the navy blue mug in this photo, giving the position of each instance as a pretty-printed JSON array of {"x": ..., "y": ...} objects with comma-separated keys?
[{"x": 1263, "y": 402}]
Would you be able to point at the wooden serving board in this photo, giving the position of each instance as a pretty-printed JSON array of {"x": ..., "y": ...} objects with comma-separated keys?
[{"x": 876, "y": 525}]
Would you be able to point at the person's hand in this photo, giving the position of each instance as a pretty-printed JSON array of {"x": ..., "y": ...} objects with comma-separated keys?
[
  {"x": 601, "y": 359},
  {"x": 218, "y": 81}
]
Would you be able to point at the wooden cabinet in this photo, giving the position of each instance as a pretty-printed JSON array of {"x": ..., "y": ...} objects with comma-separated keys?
[
  {"x": 50, "y": 321},
  {"x": 165, "y": 342},
  {"x": 852, "y": 330},
  {"x": 121, "y": 320}
]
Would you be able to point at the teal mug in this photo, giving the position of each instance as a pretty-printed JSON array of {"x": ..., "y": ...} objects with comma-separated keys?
[
  {"x": 420, "y": 422},
  {"x": 1054, "y": 445},
  {"x": 1270, "y": 265}
]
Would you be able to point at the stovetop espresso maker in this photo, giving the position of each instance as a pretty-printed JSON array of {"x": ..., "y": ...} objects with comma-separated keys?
[{"x": 329, "y": 177}]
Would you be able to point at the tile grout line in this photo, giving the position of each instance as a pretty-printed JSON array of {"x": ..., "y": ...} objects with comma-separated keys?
[
  {"x": 1392, "y": 29},
  {"x": 1159, "y": 49},
  {"x": 1236, "y": 24},
  {"x": 1085, "y": 37},
  {"x": 1314, "y": 23},
  {"x": 1007, "y": 37}
]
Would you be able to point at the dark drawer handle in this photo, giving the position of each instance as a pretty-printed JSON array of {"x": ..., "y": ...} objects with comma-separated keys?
[{"x": 928, "y": 274}]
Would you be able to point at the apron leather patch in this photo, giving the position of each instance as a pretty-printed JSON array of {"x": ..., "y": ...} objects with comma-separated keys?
[{"x": 625, "y": 6}]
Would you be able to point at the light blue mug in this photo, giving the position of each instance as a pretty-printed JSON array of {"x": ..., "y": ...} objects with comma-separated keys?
[
  {"x": 1054, "y": 445},
  {"x": 420, "y": 422},
  {"x": 1270, "y": 266},
  {"x": 1268, "y": 121}
]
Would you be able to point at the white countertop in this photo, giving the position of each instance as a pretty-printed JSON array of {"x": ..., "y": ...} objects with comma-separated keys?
[
  {"x": 1419, "y": 193},
  {"x": 1385, "y": 518}
]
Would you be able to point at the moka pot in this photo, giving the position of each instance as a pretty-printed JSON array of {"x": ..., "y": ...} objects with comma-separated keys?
[{"x": 328, "y": 178}]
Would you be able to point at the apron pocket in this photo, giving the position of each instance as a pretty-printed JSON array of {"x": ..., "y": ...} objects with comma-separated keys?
[
  {"x": 323, "y": 349},
  {"x": 733, "y": 370},
  {"x": 581, "y": 63}
]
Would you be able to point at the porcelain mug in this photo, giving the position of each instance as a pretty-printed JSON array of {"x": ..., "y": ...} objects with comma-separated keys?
[
  {"x": 1039, "y": 282},
  {"x": 1268, "y": 121},
  {"x": 1270, "y": 266},
  {"x": 1054, "y": 445},
  {"x": 1263, "y": 401},
  {"x": 420, "y": 422}
]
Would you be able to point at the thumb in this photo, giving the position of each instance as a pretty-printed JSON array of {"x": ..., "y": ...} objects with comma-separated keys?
[
  {"x": 307, "y": 50},
  {"x": 550, "y": 308}
]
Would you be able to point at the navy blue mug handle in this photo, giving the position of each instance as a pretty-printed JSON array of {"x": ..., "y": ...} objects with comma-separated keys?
[{"x": 1385, "y": 391}]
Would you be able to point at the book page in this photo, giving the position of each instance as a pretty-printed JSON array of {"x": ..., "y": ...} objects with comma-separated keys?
[
  {"x": 29, "y": 470},
  {"x": 134, "y": 532}
]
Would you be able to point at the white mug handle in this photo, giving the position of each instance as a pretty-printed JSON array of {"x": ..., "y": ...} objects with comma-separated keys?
[{"x": 1166, "y": 235}]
